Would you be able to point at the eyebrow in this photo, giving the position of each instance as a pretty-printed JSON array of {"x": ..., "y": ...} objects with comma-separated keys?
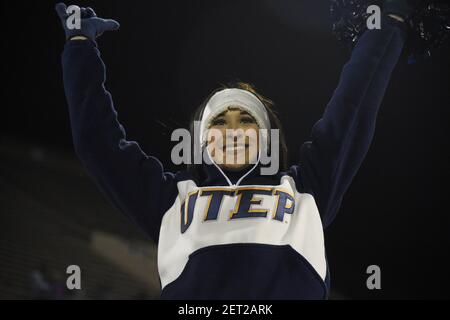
[{"x": 243, "y": 113}]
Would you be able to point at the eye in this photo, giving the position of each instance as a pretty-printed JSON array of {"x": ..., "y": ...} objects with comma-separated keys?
[
  {"x": 218, "y": 122},
  {"x": 247, "y": 120}
]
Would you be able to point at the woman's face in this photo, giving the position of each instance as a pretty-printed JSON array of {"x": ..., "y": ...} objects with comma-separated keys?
[{"x": 233, "y": 139}]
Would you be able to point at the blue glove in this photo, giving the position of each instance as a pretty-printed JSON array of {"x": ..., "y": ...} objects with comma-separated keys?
[{"x": 91, "y": 26}]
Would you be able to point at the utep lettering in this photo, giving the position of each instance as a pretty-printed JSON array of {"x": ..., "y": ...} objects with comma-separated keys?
[{"x": 246, "y": 199}]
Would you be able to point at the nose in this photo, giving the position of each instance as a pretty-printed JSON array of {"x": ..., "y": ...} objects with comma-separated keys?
[
  {"x": 234, "y": 133},
  {"x": 233, "y": 125}
]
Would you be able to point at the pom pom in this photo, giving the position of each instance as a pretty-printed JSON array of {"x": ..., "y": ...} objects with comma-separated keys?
[{"x": 428, "y": 25}]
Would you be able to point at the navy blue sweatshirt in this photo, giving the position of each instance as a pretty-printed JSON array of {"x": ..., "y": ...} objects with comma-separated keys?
[{"x": 262, "y": 239}]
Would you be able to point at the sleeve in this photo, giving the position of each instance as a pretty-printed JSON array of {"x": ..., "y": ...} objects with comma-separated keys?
[
  {"x": 341, "y": 139},
  {"x": 134, "y": 182}
]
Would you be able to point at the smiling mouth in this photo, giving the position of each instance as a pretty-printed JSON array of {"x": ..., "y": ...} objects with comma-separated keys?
[{"x": 233, "y": 147}]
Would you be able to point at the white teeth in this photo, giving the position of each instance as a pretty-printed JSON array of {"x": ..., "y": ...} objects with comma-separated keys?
[{"x": 233, "y": 148}]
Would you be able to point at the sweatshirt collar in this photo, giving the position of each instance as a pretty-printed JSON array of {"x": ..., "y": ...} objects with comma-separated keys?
[{"x": 214, "y": 176}]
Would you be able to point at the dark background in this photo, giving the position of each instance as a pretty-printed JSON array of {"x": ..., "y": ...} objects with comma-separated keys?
[{"x": 169, "y": 55}]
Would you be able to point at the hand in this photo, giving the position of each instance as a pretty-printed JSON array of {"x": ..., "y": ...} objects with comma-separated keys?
[{"x": 91, "y": 26}]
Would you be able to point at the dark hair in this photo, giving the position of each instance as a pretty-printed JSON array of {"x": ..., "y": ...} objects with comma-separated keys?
[{"x": 273, "y": 117}]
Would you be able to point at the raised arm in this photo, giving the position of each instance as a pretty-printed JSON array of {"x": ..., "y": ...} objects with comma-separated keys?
[
  {"x": 134, "y": 182},
  {"x": 341, "y": 139}
]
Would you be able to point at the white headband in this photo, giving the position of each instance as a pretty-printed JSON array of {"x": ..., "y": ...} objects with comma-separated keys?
[{"x": 224, "y": 99}]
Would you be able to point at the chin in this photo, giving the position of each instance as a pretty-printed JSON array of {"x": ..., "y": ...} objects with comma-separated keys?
[{"x": 235, "y": 167}]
